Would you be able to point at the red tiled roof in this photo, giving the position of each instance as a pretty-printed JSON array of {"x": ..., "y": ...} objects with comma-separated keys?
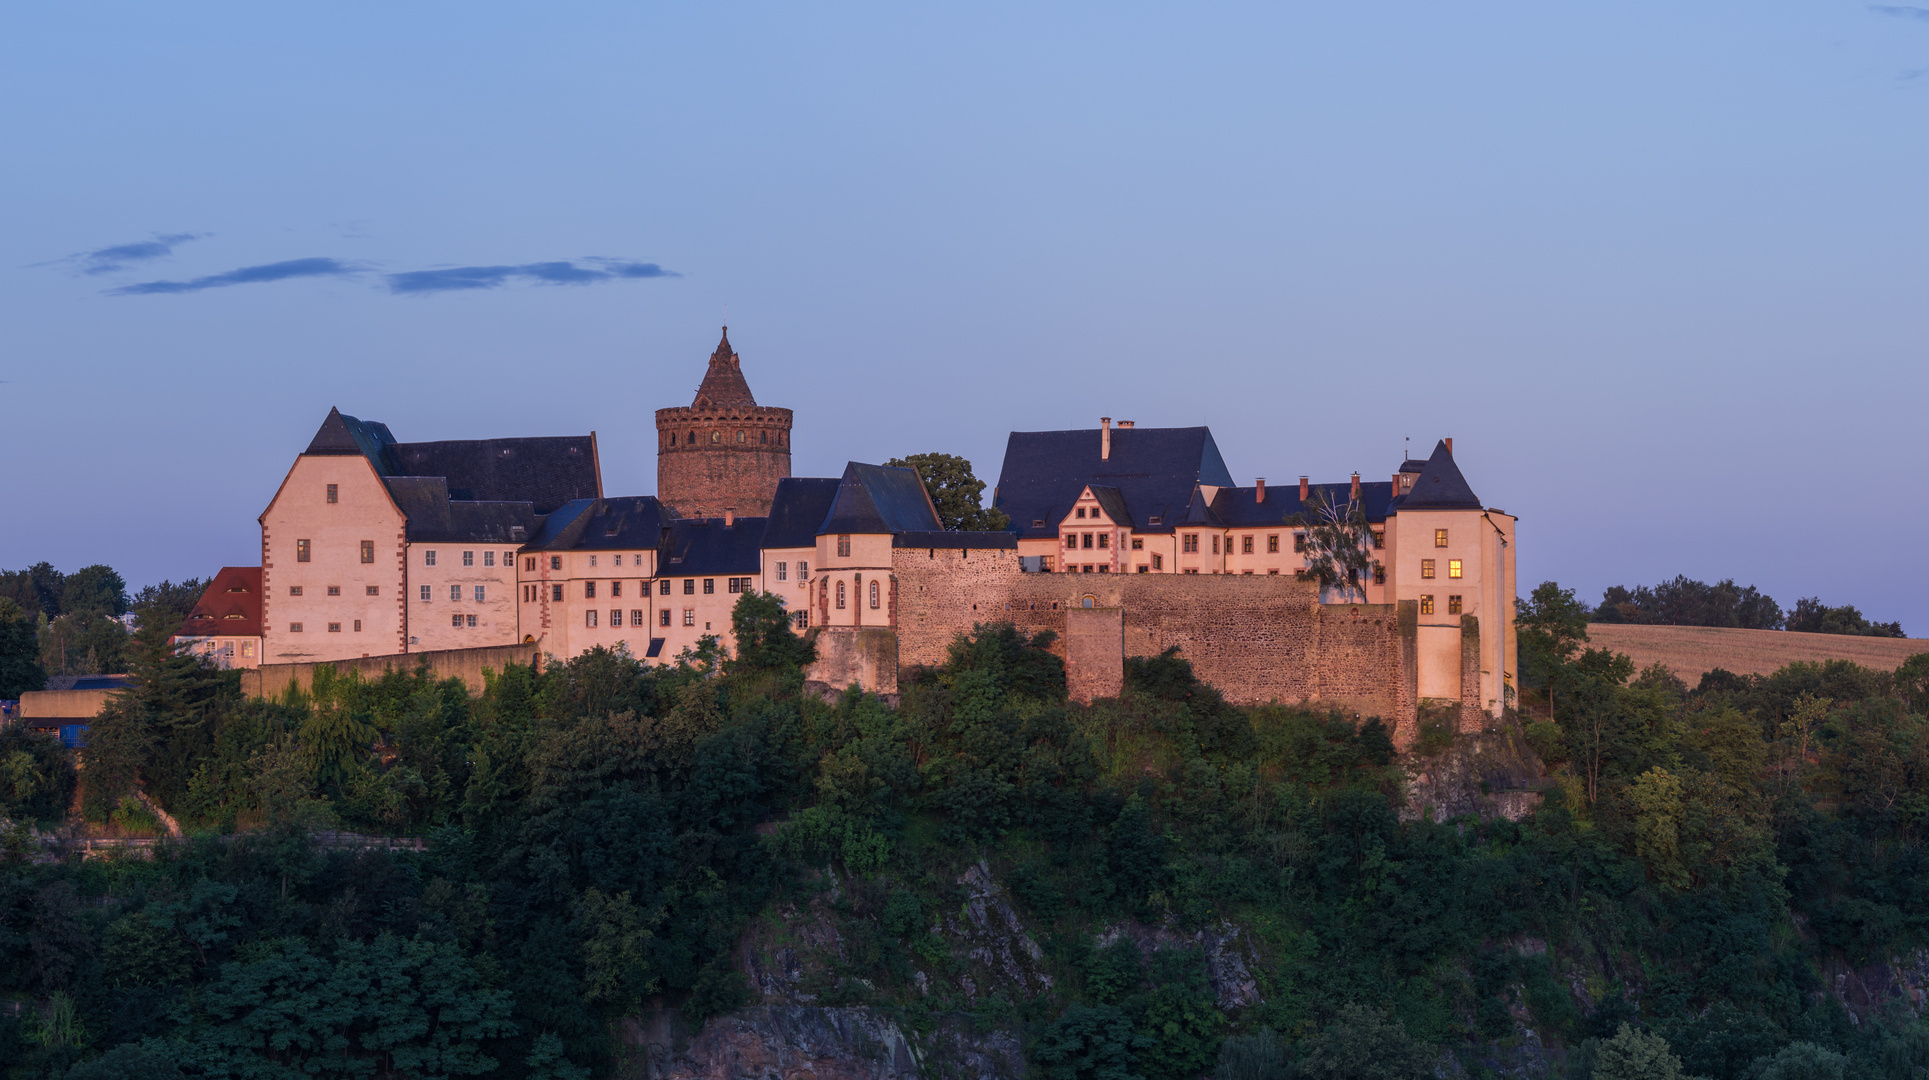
[{"x": 231, "y": 607}]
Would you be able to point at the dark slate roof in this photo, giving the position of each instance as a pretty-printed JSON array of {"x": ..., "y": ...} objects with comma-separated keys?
[
  {"x": 723, "y": 385},
  {"x": 1440, "y": 487},
  {"x": 880, "y": 499},
  {"x": 340, "y": 434},
  {"x": 627, "y": 523},
  {"x": 1112, "y": 502},
  {"x": 1239, "y": 507},
  {"x": 799, "y": 507},
  {"x": 699, "y": 546},
  {"x": 1412, "y": 466},
  {"x": 545, "y": 472},
  {"x": 956, "y": 539},
  {"x": 231, "y": 605},
  {"x": 563, "y": 527},
  {"x": 1154, "y": 470},
  {"x": 434, "y": 517}
]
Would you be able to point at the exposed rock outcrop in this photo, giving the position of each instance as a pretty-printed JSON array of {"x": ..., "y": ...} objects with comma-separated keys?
[{"x": 788, "y": 1042}]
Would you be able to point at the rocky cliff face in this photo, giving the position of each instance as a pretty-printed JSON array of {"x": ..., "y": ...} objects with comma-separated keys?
[{"x": 786, "y": 1042}]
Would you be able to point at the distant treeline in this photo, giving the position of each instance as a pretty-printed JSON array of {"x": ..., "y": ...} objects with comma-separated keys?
[
  {"x": 1687, "y": 602},
  {"x": 53, "y": 623}
]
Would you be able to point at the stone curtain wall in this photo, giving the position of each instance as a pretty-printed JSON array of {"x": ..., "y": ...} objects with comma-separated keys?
[
  {"x": 1256, "y": 638},
  {"x": 272, "y": 680},
  {"x": 1094, "y": 656}
]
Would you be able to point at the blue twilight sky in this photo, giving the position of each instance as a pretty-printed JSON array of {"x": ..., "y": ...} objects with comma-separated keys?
[{"x": 1660, "y": 268}]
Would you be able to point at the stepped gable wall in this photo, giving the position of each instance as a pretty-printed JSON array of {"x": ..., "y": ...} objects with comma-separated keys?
[{"x": 1255, "y": 638}]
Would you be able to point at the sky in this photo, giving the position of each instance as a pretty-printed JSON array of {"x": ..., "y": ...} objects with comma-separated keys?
[{"x": 1658, "y": 268}]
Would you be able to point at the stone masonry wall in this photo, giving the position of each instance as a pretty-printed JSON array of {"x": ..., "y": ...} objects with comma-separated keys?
[
  {"x": 1255, "y": 638},
  {"x": 704, "y": 478},
  {"x": 272, "y": 680}
]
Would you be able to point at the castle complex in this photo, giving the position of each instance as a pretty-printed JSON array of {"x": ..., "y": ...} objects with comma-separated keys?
[{"x": 1123, "y": 541}]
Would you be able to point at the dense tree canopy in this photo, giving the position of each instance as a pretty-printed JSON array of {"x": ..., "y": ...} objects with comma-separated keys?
[{"x": 955, "y": 491}]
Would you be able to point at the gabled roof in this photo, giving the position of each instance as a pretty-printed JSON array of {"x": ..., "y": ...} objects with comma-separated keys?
[
  {"x": 342, "y": 434},
  {"x": 1154, "y": 470},
  {"x": 1112, "y": 502},
  {"x": 1240, "y": 507},
  {"x": 799, "y": 507},
  {"x": 625, "y": 523},
  {"x": 699, "y": 546},
  {"x": 880, "y": 499},
  {"x": 723, "y": 385},
  {"x": 542, "y": 471},
  {"x": 1440, "y": 487},
  {"x": 230, "y": 606}
]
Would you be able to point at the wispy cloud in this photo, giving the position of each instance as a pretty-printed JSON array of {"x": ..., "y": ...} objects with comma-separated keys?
[
  {"x": 109, "y": 259},
  {"x": 247, "y": 275},
  {"x": 587, "y": 272},
  {"x": 1900, "y": 12}
]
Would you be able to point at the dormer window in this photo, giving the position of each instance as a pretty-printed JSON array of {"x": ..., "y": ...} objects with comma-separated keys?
[
  {"x": 1155, "y": 519},
  {"x": 1079, "y": 513}
]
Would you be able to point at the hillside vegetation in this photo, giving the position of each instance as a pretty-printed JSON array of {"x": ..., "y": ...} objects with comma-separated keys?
[{"x": 1728, "y": 880}]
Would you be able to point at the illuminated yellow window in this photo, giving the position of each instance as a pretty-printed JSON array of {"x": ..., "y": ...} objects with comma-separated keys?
[
  {"x": 1426, "y": 604},
  {"x": 1453, "y": 605},
  {"x": 1426, "y": 568},
  {"x": 1245, "y": 545},
  {"x": 1453, "y": 568},
  {"x": 1439, "y": 538},
  {"x": 1272, "y": 544}
]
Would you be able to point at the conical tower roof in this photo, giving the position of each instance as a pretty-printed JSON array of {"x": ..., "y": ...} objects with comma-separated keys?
[{"x": 724, "y": 385}]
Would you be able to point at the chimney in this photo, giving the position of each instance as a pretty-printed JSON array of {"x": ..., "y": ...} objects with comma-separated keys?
[
  {"x": 1259, "y": 491},
  {"x": 1450, "y": 446},
  {"x": 729, "y": 517},
  {"x": 1356, "y": 487},
  {"x": 1105, "y": 438},
  {"x": 1305, "y": 490}
]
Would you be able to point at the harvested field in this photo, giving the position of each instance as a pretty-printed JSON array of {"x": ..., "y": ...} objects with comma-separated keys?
[{"x": 1690, "y": 651}]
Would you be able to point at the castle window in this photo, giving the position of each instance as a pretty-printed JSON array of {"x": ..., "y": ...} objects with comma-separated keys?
[
  {"x": 740, "y": 438},
  {"x": 1158, "y": 562},
  {"x": 803, "y": 570},
  {"x": 1191, "y": 543},
  {"x": 1453, "y": 568},
  {"x": 555, "y": 562},
  {"x": 1071, "y": 540},
  {"x": 589, "y": 590},
  {"x": 783, "y": 570},
  {"x": 874, "y": 592},
  {"x": 689, "y": 586},
  {"x": 1079, "y": 513},
  {"x": 455, "y": 621},
  {"x": 763, "y": 437},
  {"x": 1379, "y": 539},
  {"x": 1245, "y": 545},
  {"x": 692, "y": 440},
  {"x": 333, "y": 493},
  {"x": 334, "y": 590},
  {"x": 426, "y": 595},
  {"x": 1105, "y": 540},
  {"x": 616, "y": 589},
  {"x": 636, "y": 617},
  {"x": 1299, "y": 542},
  {"x": 488, "y": 558},
  {"x": 843, "y": 547},
  {"x": 294, "y": 590},
  {"x": 1426, "y": 604},
  {"x": 1379, "y": 574},
  {"x": 1138, "y": 543},
  {"x": 368, "y": 551},
  {"x": 733, "y": 586},
  {"x": 372, "y": 590},
  {"x": 840, "y": 595},
  {"x": 468, "y": 558},
  {"x": 1439, "y": 538},
  {"x": 1426, "y": 568},
  {"x": 479, "y": 594},
  {"x": 1453, "y": 604},
  {"x": 592, "y": 561},
  {"x": 689, "y": 616},
  {"x": 1215, "y": 543},
  {"x": 294, "y": 628},
  {"x": 472, "y": 622},
  {"x": 334, "y": 628},
  {"x": 1143, "y": 569},
  {"x": 663, "y": 587},
  {"x": 709, "y": 586},
  {"x": 1272, "y": 544},
  {"x": 455, "y": 592},
  {"x": 800, "y": 619},
  {"x": 301, "y": 551},
  {"x": 358, "y": 626},
  {"x": 1087, "y": 540},
  {"x": 555, "y": 594},
  {"x": 716, "y": 436},
  {"x": 663, "y": 617},
  {"x": 589, "y": 617},
  {"x": 616, "y": 616},
  {"x": 1045, "y": 563}
]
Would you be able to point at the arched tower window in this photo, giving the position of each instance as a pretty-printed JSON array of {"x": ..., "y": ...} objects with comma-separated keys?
[
  {"x": 873, "y": 595},
  {"x": 716, "y": 436},
  {"x": 840, "y": 595},
  {"x": 692, "y": 440},
  {"x": 739, "y": 436},
  {"x": 763, "y": 438}
]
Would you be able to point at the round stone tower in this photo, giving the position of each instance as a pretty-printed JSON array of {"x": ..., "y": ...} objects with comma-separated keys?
[{"x": 723, "y": 452}]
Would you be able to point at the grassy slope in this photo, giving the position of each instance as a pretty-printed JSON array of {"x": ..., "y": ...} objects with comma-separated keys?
[{"x": 1692, "y": 650}]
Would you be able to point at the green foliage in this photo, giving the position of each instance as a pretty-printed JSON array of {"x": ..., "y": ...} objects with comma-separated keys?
[
  {"x": 955, "y": 492},
  {"x": 1364, "y": 1043},
  {"x": 1636, "y": 1055},
  {"x": 1090, "y": 1042},
  {"x": 1800, "y": 1061},
  {"x": 1259, "y": 1056},
  {"x": 20, "y": 668}
]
